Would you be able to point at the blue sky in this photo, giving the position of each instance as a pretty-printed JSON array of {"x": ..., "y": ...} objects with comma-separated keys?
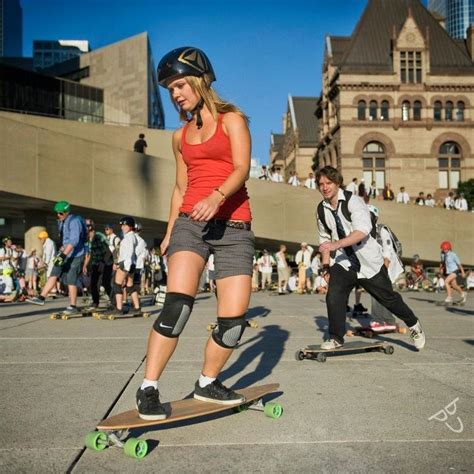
[{"x": 261, "y": 50}]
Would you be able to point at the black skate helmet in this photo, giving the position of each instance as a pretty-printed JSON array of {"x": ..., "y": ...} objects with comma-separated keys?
[
  {"x": 127, "y": 220},
  {"x": 185, "y": 61}
]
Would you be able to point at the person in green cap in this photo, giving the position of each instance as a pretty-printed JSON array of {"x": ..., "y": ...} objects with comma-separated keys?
[{"x": 68, "y": 262}]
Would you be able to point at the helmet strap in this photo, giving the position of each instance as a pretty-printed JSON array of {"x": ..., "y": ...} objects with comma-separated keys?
[{"x": 197, "y": 110}]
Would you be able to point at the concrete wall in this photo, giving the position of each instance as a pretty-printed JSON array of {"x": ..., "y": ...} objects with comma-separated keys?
[{"x": 42, "y": 163}]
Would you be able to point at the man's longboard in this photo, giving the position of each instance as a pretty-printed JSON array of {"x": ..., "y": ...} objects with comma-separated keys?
[
  {"x": 367, "y": 331},
  {"x": 315, "y": 352},
  {"x": 111, "y": 316},
  {"x": 81, "y": 313},
  {"x": 113, "y": 431},
  {"x": 450, "y": 303}
]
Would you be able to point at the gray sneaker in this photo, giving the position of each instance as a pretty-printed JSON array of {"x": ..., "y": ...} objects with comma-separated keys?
[
  {"x": 71, "y": 310},
  {"x": 35, "y": 300},
  {"x": 418, "y": 335}
]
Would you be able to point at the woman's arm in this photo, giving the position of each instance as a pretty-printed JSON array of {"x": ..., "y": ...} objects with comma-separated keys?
[{"x": 236, "y": 128}]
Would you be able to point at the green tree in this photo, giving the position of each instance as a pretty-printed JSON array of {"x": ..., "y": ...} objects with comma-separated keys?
[{"x": 467, "y": 188}]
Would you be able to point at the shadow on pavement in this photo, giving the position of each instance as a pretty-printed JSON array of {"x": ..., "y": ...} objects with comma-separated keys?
[
  {"x": 268, "y": 345},
  {"x": 258, "y": 312}
]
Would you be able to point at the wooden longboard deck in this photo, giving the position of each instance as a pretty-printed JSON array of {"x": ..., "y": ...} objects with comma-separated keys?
[
  {"x": 182, "y": 410},
  {"x": 348, "y": 346}
]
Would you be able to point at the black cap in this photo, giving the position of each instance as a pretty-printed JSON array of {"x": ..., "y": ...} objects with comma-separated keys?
[
  {"x": 184, "y": 61},
  {"x": 127, "y": 220}
]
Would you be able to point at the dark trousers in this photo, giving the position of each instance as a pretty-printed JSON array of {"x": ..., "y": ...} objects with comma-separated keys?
[
  {"x": 96, "y": 274},
  {"x": 107, "y": 280},
  {"x": 379, "y": 286}
]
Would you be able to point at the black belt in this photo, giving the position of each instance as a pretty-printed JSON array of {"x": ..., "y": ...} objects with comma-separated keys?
[{"x": 228, "y": 223}]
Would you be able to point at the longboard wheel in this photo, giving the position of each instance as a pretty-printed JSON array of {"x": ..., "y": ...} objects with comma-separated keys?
[
  {"x": 146, "y": 315},
  {"x": 210, "y": 327},
  {"x": 402, "y": 330},
  {"x": 53, "y": 316},
  {"x": 253, "y": 324},
  {"x": 240, "y": 408},
  {"x": 389, "y": 350},
  {"x": 65, "y": 317},
  {"x": 350, "y": 333},
  {"x": 135, "y": 448},
  {"x": 97, "y": 440},
  {"x": 273, "y": 410},
  {"x": 321, "y": 357},
  {"x": 110, "y": 317},
  {"x": 299, "y": 355}
]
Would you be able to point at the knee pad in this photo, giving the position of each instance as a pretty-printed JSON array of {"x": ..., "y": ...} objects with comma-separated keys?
[
  {"x": 117, "y": 288},
  {"x": 228, "y": 331},
  {"x": 174, "y": 315}
]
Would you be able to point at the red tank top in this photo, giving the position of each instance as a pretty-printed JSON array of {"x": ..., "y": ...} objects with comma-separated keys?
[{"x": 209, "y": 164}]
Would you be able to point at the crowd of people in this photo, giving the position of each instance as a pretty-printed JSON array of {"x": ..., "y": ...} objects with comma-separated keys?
[
  {"x": 453, "y": 201},
  {"x": 84, "y": 261}
]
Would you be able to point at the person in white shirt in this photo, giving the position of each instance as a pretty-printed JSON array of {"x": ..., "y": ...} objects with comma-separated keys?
[
  {"x": 403, "y": 197},
  {"x": 310, "y": 182},
  {"x": 7, "y": 254},
  {"x": 292, "y": 283},
  {"x": 460, "y": 203},
  {"x": 49, "y": 252},
  {"x": 353, "y": 187},
  {"x": 320, "y": 286},
  {"x": 265, "y": 263},
  {"x": 303, "y": 260},
  {"x": 127, "y": 260},
  {"x": 382, "y": 318},
  {"x": 430, "y": 202},
  {"x": 265, "y": 174},
  {"x": 277, "y": 177},
  {"x": 293, "y": 180},
  {"x": 282, "y": 268},
  {"x": 449, "y": 201},
  {"x": 316, "y": 264},
  {"x": 358, "y": 259}
]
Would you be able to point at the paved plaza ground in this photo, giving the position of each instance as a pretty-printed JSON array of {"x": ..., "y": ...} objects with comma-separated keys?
[{"x": 366, "y": 412}]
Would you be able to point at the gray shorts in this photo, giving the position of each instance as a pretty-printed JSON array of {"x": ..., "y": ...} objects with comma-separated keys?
[
  {"x": 70, "y": 271},
  {"x": 233, "y": 249}
]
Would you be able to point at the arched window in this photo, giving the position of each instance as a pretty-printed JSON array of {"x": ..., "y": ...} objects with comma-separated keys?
[
  {"x": 448, "y": 111},
  {"x": 417, "y": 110},
  {"x": 373, "y": 164},
  {"x": 384, "y": 110},
  {"x": 460, "y": 111},
  {"x": 437, "y": 109},
  {"x": 361, "y": 106},
  {"x": 406, "y": 111},
  {"x": 449, "y": 164},
  {"x": 373, "y": 110}
]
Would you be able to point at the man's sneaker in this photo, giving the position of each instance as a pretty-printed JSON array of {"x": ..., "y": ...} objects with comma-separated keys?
[
  {"x": 418, "y": 335},
  {"x": 148, "y": 404},
  {"x": 71, "y": 310},
  {"x": 359, "y": 308},
  {"x": 463, "y": 299},
  {"x": 36, "y": 300},
  {"x": 215, "y": 392},
  {"x": 330, "y": 344}
]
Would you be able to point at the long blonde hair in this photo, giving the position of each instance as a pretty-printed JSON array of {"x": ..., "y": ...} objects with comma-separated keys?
[{"x": 213, "y": 101}]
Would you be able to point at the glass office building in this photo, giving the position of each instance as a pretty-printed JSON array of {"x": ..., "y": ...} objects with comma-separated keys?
[
  {"x": 48, "y": 53},
  {"x": 459, "y": 15},
  {"x": 31, "y": 92},
  {"x": 11, "y": 28}
]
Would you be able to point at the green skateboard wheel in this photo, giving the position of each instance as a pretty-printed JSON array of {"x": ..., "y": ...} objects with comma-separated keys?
[
  {"x": 273, "y": 410},
  {"x": 135, "y": 448},
  {"x": 97, "y": 440}
]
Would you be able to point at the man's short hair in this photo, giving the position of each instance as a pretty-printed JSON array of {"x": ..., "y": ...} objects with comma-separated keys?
[
  {"x": 142, "y": 135},
  {"x": 330, "y": 173}
]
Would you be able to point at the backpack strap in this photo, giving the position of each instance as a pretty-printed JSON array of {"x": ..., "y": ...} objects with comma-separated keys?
[{"x": 322, "y": 217}]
